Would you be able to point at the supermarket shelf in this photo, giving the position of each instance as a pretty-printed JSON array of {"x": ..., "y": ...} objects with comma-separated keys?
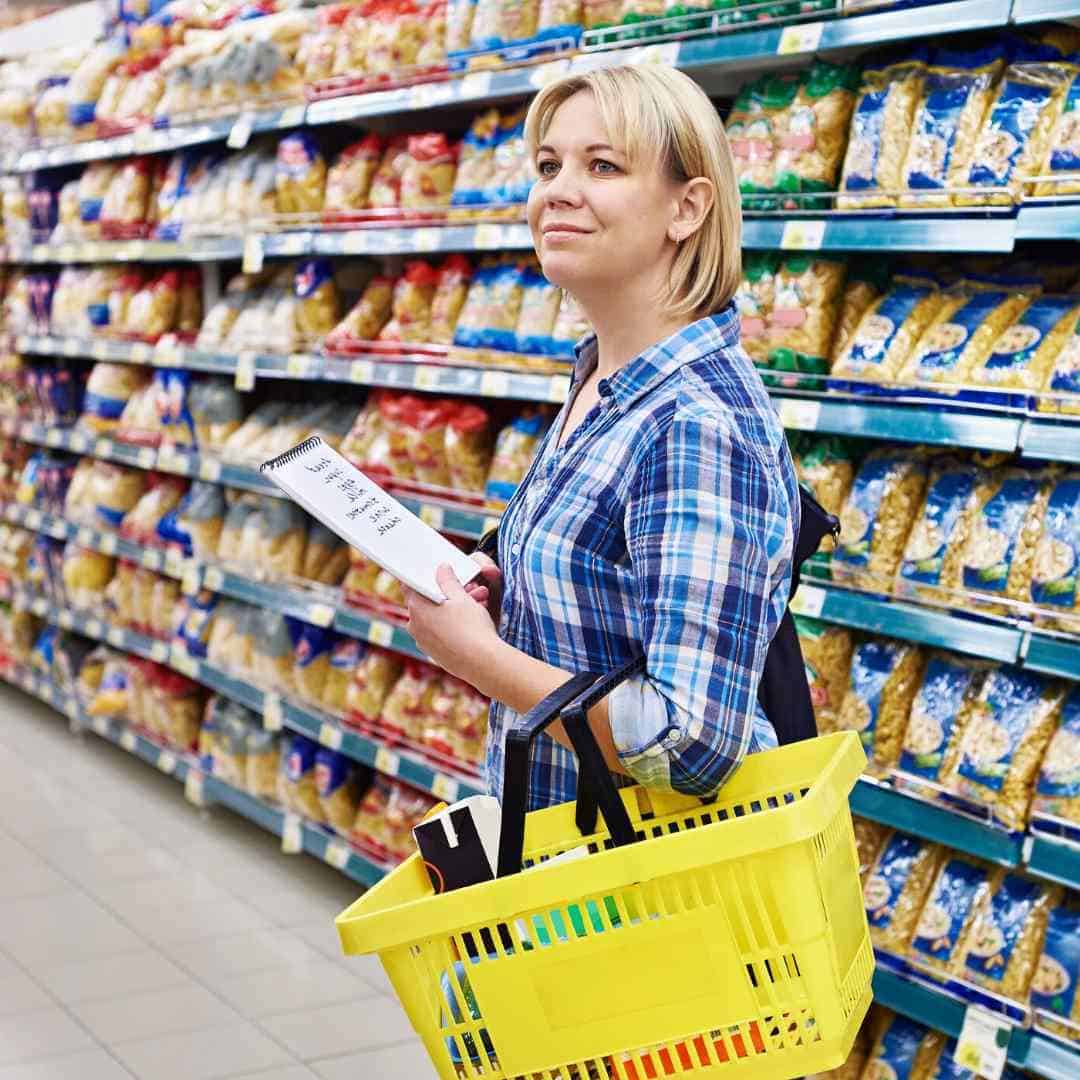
[
  {"x": 1058, "y": 222},
  {"x": 889, "y": 806},
  {"x": 1056, "y": 860},
  {"x": 1027, "y": 1049},
  {"x": 376, "y": 631},
  {"x": 995, "y": 233},
  {"x": 423, "y": 240},
  {"x": 1052, "y": 655},
  {"x": 1027, "y": 11},
  {"x": 1053, "y": 441}
]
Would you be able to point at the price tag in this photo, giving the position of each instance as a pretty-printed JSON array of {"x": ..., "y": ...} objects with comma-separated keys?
[
  {"x": 189, "y": 583},
  {"x": 543, "y": 74},
  {"x": 488, "y": 236},
  {"x": 143, "y": 140},
  {"x": 445, "y": 788},
  {"x": 94, "y": 628},
  {"x": 802, "y": 38},
  {"x": 71, "y": 346},
  {"x": 432, "y": 515},
  {"x": 292, "y": 834},
  {"x": 320, "y": 614},
  {"x": 65, "y": 619},
  {"x": 159, "y": 652},
  {"x": 558, "y": 387},
  {"x": 141, "y": 353},
  {"x": 386, "y": 761},
  {"x": 99, "y": 350},
  {"x": 210, "y": 470},
  {"x": 128, "y": 741},
  {"x": 361, "y": 371},
  {"x": 357, "y": 243},
  {"x": 271, "y": 711},
  {"x": 116, "y": 636},
  {"x": 495, "y": 384},
  {"x": 33, "y": 519},
  {"x": 186, "y": 665},
  {"x": 146, "y": 458},
  {"x": 292, "y": 116},
  {"x": 337, "y": 854},
  {"x": 427, "y": 239},
  {"x": 298, "y": 364},
  {"x": 253, "y": 253},
  {"x": 174, "y": 564},
  {"x": 476, "y": 84},
  {"x": 666, "y": 54},
  {"x": 193, "y": 788},
  {"x": 426, "y": 377},
  {"x": 428, "y": 95},
  {"x": 983, "y": 1044},
  {"x": 150, "y": 559},
  {"x": 171, "y": 460},
  {"x": 169, "y": 354},
  {"x": 800, "y": 414},
  {"x": 107, "y": 544},
  {"x": 240, "y": 132},
  {"x": 78, "y": 442},
  {"x": 799, "y": 235},
  {"x": 166, "y": 762},
  {"x": 330, "y": 736},
  {"x": 245, "y": 371},
  {"x": 103, "y": 448},
  {"x": 53, "y": 437},
  {"x": 213, "y": 579},
  {"x": 380, "y": 633},
  {"x": 100, "y": 725},
  {"x": 808, "y": 600}
]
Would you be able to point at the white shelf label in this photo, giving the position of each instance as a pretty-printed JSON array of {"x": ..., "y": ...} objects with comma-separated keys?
[
  {"x": 543, "y": 74},
  {"x": 292, "y": 116},
  {"x": 100, "y": 725},
  {"x": 386, "y": 761},
  {"x": 116, "y": 636},
  {"x": 800, "y": 414},
  {"x": 100, "y": 350},
  {"x": 107, "y": 544},
  {"x": 298, "y": 364},
  {"x": 150, "y": 559},
  {"x": 445, "y": 788},
  {"x": 210, "y": 470},
  {"x": 666, "y": 54},
  {"x": 245, "y": 366},
  {"x": 174, "y": 563},
  {"x": 53, "y": 437},
  {"x": 801, "y": 38},
  {"x": 213, "y": 579},
  {"x": 253, "y": 253},
  {"x": 166, "y": 762},
  {"x": 147, "y": 458},
  {"x": 186, "y": 665},
  {"x": 808, "y": 600},
  {"x": 380, "y": 633},
  {"x": 432, "y": 515},
  {"x": 103, "y": 448},
  {"x": 292, "y": 834},
  {"x": 78, "y": 442},
  {"x": 357, "y": 243},
  {"x": 495, "y": 384},
  {"x": 189, "y": 583},
  {"x": 799, "y": 235},
  {"x": 427, "y": 95},
  {"x": 159, "y": 652},
  {"x": 337, "y": 854},
  {"x": 320, "y": 614},
  {"x": 361, "y": 371},
  {"x": 65, "y": 619},
  {"x": 85, "y": 537},
  {"x": 193, "y": 787},
  {"x": 330, "y": 736},
  {"x": 33, "y": 519},
  {"x": 141, "y": 353},
  {"x": 488, "y": 236},
  {"x": 271, "y": 713},
  {"x": 476, "y": 84},
  {"x": 128, "y": 741},
  {"x": 240, "y": 132},
  {"x": 71, "y": 346},
  {"x": 426, "y": 377},
  {"x": 39, "y": 607},
  {"x": 94, "y": 628},
  {"x": 427, "y": 239},
  {"x": 983, "y": 1044},
  {"x": 558, "y": 388}
]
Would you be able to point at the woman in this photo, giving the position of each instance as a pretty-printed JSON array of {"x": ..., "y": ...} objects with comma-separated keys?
[{"x": 661, "y": 511}]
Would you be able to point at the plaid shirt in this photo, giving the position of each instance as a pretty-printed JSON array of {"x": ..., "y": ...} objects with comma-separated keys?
[{"x": 665, "y": 523}]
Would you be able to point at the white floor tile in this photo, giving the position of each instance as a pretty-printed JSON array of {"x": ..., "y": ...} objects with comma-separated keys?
[
  {"x": 341, "y": 1029},
  {"x": 407, "y": 1062},
  {"x": 127, "y": 973},
  {"x": 265, "y": 993},
  {"x": 179, "y": 923},
  {"x": 29, "y": 877},
  {"x": 44, "y": 1033},
  {"x": 188, "y": 1007},
  {"x": 42, "y": 929},
  {"x": 220, "y": 959},
  {"x": 288, "y": 1072},
  {"x": 19, "y": 993},
  {"x": 370, "y": 969},
  {"x": 203, "y": 1055},
  {"x": 86, "y": 1065}
]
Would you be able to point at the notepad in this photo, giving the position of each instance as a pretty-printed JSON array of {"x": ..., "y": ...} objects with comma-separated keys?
[{"x": 338, "y": 494}]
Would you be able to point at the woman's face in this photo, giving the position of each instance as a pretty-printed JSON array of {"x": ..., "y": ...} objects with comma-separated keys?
[{"x": 597, "y": 221}]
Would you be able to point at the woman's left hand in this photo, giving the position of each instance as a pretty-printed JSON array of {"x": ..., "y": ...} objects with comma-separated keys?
[{"x": 457, "y": 634}]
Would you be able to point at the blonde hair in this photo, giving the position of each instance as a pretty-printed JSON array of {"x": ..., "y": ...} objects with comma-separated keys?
[{"x": 654, "y": 111}]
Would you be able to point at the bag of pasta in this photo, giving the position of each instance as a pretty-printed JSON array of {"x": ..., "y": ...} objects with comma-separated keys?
[
  {"x": 1023, "y": 354},
  {"x": 411, "y": 307},
  {"x": 895, "y": 889},
  {"x": 754, "y": 300},
  {"x": 1057, "y": 792},
  {"x": 1061, "y": 164},
  {"x": 870, "y": 837},
  {"x": 1054, "y": 986},
  {"x": 202, "y": 514},
  {"x": 326, "y": 557},
  {"x": 298, "y": 788},
  {"x": 1015, "y": 716},
  {"x": 113, "y": 491},
  {"x": 336, "y": 789},
  {"x": 469, "y": 448},
  {"x": 476, "y": 162},
  {"x": 152, "y": 311},
  {"x": 316, "y": 311},
  {"x": 962, "y": 333},
  {"x": 1054, "y": 577},
  {"x": 217, "y": 410},
  {"x": 345, "y": 656},
  {"x": 826, "y": 652},
  {"x": 127, "y": 201},
  {"x": 405, "y": 810},
  {"x": 359, "y": 583},
  {"x": 373, "y": 679},
  {"x": 751, "y": 135},
  {"x": 112, "y": 695},
  {"x": 311, "y": 661},
  {"x": 282, "y": 537},
  {"x": 827, "y": 467},
  {"x": 262, "y": 763},
  {"x": 883, "y": 680},
  {"x": 349, "y": 180},
  {"x": 877, "y": 517},
  {"x": 300, "y": 175},
  {"x": 812, "y": 133},
  {"x": 1003, "y": 947},
  {"x": 999, "y": 555},
  {"x": 904, "y": 1048},
  {"x": 477, "y": 303},
  {"x": 449, "y": 298},
  {"x": 539, "y": 309},
  {"x": 108, "y": 390},
  {"x": 427, "y": 178},
  {"x": 498, "y": 323},
  {"x": 515, "y": 448},
  {"x": 272, "y": 660},
  {"x": 957, "y": 91},
  {"x": 806, "y": 303},
  {"x": 425, "y": 431},
  {"x": 385, "y": 193},
  {"x": 512, "y": 173},
  {"x": 1015, "y": 133},
  {"x": 367, "y": 317}
]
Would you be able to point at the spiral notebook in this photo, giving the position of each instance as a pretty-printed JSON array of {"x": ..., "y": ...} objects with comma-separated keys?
[{"x": 338, "y": 494}]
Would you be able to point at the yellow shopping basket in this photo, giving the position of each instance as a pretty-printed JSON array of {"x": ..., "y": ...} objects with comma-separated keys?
[{"x": 722, "y": 938}]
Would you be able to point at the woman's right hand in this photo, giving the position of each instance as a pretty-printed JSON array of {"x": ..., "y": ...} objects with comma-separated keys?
[{"x": 488, "y": 587}]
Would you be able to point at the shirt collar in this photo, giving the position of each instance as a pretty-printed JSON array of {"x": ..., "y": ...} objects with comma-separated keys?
[{"x": 651, "y": 367}]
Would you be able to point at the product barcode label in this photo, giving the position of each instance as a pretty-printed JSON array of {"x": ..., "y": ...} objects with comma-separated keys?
[
  {"x": 330, "y": 736},
  {"x": 210, "y": 470},
  {"x": 292, "y": 834},
  {"x": 380, "y": 633},
  {"x": 193, "y": 787},
  {"x": 272, "y": 718},
  {"x": 253, "y": 253},
  {"x": 240, "y": 132},
  {"x": 802, "y": 38},
  {"x": 213, "y": 579},
  {"x": 107, "y": 544},
  {"x": 802, "y": 235},
  {"x": 320, "y": 614},
  {"x": 445, "y": 788},
  {"x": 983, "y": 1044},
  {"x": 166, "y": 762},
  {"x": 386, "y": 761},
  {"x": 800, "y": 414},
  {"x": 337, "y": 854},
  {"x": 361, "y": 371},
  {"x": 432, "y": 515},
  {"x": 495, "y": 384},
  {"x": 128, "y": 740},
  {"x": 245, "y": 364},
  {"x": 115, "y": 636},
  {"x": 808, "y": 600}
]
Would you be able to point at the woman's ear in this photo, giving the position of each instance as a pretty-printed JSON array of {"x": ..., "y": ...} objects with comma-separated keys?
[{"x": 694, "y": 201}]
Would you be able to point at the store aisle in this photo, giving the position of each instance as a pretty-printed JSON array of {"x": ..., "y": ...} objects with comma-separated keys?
[{"x": 140, "y": 937}]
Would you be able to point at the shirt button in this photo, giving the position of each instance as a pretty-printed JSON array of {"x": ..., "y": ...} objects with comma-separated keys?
[
  {"x": 515, "y": 549},
  {"x": 672, "y": 738}
]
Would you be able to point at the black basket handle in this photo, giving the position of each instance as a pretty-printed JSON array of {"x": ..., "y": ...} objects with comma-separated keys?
[{"x": 596, "y": 788}]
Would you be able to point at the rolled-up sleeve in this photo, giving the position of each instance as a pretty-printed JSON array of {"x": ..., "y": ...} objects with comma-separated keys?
[{"x": 709, "y": 535}]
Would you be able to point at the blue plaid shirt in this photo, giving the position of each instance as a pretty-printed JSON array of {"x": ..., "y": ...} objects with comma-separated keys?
[{"x": 665, "y": 523}]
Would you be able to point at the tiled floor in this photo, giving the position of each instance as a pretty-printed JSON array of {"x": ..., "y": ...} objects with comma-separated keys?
[{"x": 142, "y": 938}]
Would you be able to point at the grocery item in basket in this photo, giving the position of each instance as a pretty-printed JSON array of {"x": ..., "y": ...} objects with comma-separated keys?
[
  {"x": 904, "y": 1049},
  {"x": 411, "y": 305},
  {"x": 1061, "y": 165},
  {"x": 348, "y": 181},
  {"x": 299, "y": 791},
  {"x": 317, "y": 306},
  {"x": 1014, "y": 718},
  {"x": 1058, "y": 789},
  {"x": 933, "y": 554},
  {"x": 336, "y": 790},
  {"x": 962, "y": 334},
  {"x": 754, "y": 300},
  {"x": 888, "y": 331},
  {"x": 880, "y": 127},
  {"x": 877, "y": 517},
  {"x": 954, "y": 902},
  {"x": 1015, "y": 133},
  {"x": 1054, "y": 574},
  {"x": 882, "y": 683},
  {"x": 896, "y": 887},
  {"x": 515, "y": 448},
  {"x": 1023, "y": 354},
  {"x": 1054, "y": 985},
  {"x": 956, "y": 93},
  {"x": 870, "y": 837},
  {"x": 1000, "y": 551},
  {"x": 300, "y": 175},
  {"x": 1004, "y": 944},
  {"x": 940, "y": 713},
  {"x": 468, "y": 448},
  {"x": 427, "y": 178},
  {"x": 826, "y": 651}
]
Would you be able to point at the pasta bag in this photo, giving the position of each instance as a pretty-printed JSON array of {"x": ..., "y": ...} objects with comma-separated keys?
[
  {"x": 826, "y": 654},
  {"x": 427, "y": 178},
  {"x": 751, "y": 131},
  {"x": 413, "y": 294},
  {"x": 317, "y": 300},
  {"x": 367, "y": 317},
  {"x": 476, "y": 162},
  {"x": 345, "y": 657},
  {"x": 311, "y": 661},
  {"x": 866, "y": 282},
  {"x": 827, "y": 467},
  {"x": 373, "y": 679},
  {"x": 1054, "y": 985},
  {"x": 336, "y": 790},
  {"x": 1064, "y": 381},
  {"x": 1015, "y": 716},
  {"x": 1058, "y": 789},
  {"x": 385, "y": 190},
  {"x": 754, "y": 301},
  {"x": 1061, "y": 165},
  {"x": 896, "y": 887},
  {"x": 300, "y": 175},
  {"x": 870, "y": 837},
  {"x": 348, "y": 181},
  {"x": 449, "y": 298},
  {"x": 1054, "y": 573},
  {"x": 1023, "y": 354},
  {"x": 515, "y": 447},
  {"x": 469, "y": 448}
]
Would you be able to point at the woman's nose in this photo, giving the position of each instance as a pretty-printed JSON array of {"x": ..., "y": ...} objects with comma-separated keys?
[{"x": 564, "y": 187}]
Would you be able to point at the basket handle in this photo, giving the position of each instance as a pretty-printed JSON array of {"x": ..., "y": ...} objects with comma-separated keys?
[{"x": 571, "y": 701}]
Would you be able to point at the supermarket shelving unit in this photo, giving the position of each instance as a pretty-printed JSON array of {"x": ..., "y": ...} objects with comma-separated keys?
[{"x": 719, "y": 62}]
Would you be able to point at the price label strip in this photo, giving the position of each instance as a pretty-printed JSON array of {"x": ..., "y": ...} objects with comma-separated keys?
[
  {"x": 272, "y": 712},
  {"x": 292, "y": 834},
  {"x": 983, "y": 1045},
  {"x": 802, "y": 38},
  {"x": 330, "y": 736},
  {"x": 800, "y": 414},
  {"x": 799, "y": 235},
  {"x": 809, "y": 600}
]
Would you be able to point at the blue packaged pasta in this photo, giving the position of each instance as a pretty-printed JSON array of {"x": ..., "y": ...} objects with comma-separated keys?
[
  {"x": 954, "y": 902},
  {"x": 505, "y": 291},
  {"x": 896, "y": 887},
  {"x": 1055, "y": 578},
  {"x": 1054, "y": 987},
  {"x": 476, "y": 160},
  {"x": 1062, "y": 163},
  {"x": 300, "y": 175},
  {"x": 300, "y": 792},
  {"x": 1058, "y": 790},
  {"x": 540, "y": 303},
  {"x": 333, "y": 782},
  {"x": 903, "y": 1051},
  {"x": 1024, "y": 354}
]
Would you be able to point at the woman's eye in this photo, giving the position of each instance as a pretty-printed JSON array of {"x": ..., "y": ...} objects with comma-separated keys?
[
  {"x": 548, "y": 167},
  {"x": 602, "y": 166}
]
